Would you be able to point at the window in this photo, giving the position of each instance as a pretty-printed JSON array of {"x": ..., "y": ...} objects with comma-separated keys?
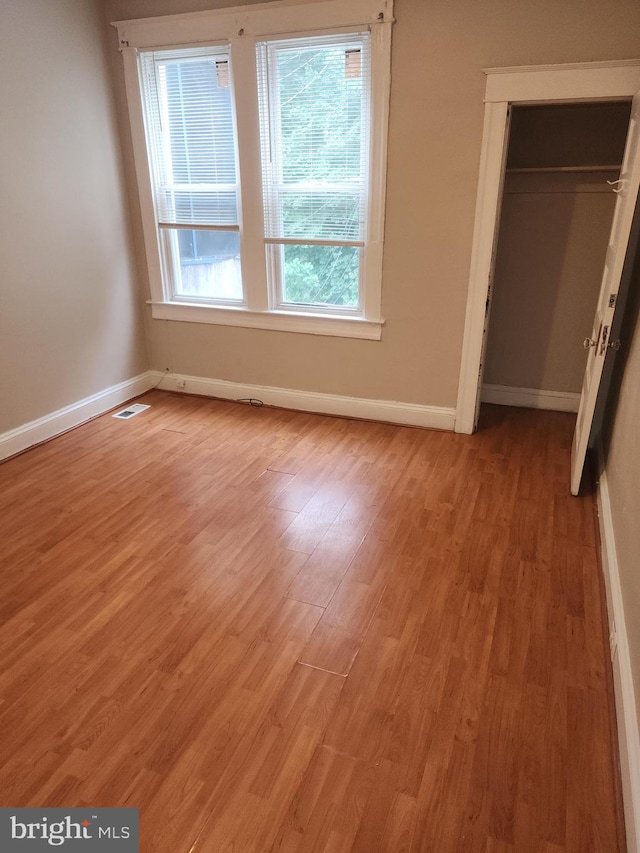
[
  {"x": 261, "y": 163},
  {"x": 194, "y": 174},
  {"x": 314, "y": 124}
]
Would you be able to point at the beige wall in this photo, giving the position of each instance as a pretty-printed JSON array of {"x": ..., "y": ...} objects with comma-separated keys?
[
  {"x": 69, "y": 311},
  {"x": 439, "y": 49}
]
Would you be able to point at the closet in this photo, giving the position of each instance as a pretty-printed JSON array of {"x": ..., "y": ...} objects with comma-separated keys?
[{"x": 557, "y": 209}]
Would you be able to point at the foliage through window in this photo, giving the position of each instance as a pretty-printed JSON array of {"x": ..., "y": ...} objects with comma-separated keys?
[{"x": 314, "y": 132}]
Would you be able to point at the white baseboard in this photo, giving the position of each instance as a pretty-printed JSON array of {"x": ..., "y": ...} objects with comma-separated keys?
[
  {"x": 408, "y": 414},
  {"x": 531, "y": 398},
  {"x": 626, "y": 710},
  {"x": 25, "y": 436}
]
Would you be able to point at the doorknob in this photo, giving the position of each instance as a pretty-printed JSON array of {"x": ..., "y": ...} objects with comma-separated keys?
[
  {"x": 615, "y": 344},
  {"x": 589, "y": 342}
]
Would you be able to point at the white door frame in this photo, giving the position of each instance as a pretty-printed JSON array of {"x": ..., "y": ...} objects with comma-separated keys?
[{"x": 542, "y": 84}]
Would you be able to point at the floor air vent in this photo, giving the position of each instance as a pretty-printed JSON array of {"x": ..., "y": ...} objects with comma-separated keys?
[{"x": 130, "y": 411}]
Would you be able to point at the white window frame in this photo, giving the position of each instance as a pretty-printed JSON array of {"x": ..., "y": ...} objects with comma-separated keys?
[{"x": 241, "y": 28}]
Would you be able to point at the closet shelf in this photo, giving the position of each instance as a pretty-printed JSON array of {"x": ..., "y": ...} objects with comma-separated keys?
[{"x": 540, "y": 169}]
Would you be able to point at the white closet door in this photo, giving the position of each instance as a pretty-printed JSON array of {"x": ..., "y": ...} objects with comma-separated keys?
[{"x": 599, "y": 342}]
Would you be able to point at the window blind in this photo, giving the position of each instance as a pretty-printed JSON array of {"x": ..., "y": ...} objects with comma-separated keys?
[
  {"x": 314, "y": 120},
  {"x": 190, "y": 131}
]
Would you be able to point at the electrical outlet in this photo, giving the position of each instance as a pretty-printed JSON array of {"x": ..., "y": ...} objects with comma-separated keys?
[{"x": 181, "y": 382}]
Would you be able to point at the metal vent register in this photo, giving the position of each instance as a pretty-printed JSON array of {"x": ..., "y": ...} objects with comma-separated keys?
[{"x": 130, "y": 411}]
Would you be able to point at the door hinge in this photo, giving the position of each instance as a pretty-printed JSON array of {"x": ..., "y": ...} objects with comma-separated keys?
[{"x": 612, "y": 300}]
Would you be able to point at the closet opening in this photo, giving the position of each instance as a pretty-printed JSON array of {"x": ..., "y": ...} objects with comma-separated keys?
[{"x": 558, "y": 199}]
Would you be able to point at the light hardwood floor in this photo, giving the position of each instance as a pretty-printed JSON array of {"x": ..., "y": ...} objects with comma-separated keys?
[{"x": 277, "y": 631}]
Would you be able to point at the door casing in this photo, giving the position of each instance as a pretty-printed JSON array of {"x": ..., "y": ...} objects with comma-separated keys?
[{"x": 544, "y": 84}]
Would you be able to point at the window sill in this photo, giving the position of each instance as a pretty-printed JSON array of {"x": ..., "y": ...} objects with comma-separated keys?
[{"x": 281, "y": 321}]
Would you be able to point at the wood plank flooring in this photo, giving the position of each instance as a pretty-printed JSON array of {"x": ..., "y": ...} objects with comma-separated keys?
[{"x": 274, "y": 631}]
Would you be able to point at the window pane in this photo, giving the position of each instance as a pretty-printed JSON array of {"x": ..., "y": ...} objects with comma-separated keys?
[
  {"x": 202, "y": 147},
  {"x": 209, "y": 264},
  {"x": 320, "y": 109},
  {"x": 201, "y": 208},
  {"x": 314, "y": 120},
  {"x": 191, "y": 135},
  {"x": 321, "y": 215},
  {"x": 321, "y": 275}
]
